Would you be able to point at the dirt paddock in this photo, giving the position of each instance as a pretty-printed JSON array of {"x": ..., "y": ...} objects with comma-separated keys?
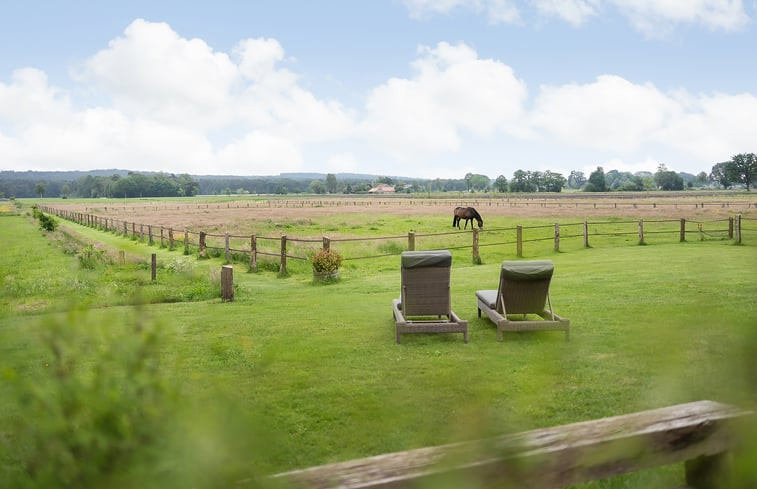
[{"x": 243, "y": 213}]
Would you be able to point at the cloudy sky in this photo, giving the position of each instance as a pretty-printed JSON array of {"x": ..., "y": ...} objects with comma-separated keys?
[{"x": 418, "y": 88}]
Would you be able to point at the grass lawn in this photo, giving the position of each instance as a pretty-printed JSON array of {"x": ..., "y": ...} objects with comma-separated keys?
[{"x": 294, "y": 374}]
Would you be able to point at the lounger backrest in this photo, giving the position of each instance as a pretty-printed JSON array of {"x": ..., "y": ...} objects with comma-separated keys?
[
  {"x": 524, "y": 286},
  {"x": 426, "y": 283}
]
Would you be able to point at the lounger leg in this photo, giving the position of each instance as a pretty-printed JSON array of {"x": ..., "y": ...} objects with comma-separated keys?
[{"x": 479, "y": 312}]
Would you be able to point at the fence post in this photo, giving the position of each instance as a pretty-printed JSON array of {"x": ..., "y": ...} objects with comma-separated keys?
[
  {"x": 326, "y": 243},
  {"x": 738, "y": 229},
  {"x": 162, "y": 244},
  {"x": 186, "y": 241},
  {"x": 586, "y": 234},
  {"x": 226, "y": 250},
  {"x": 154, "y": 267},
  {"x": 134, "y": 230},
  {"x": 730, "y": 228},
  {"x": 227, "y": 283},
  {"x": 476, "y": 255},
  {"x": 141, "y": 233},
  {"x": 641, "y": 231},
  {"x": 557, "y": 237},
  {"x": 126, "y": 230},
  {"x": 202, "y": 244},
  {"x": 121, "y": 257},
  {"x": 253, "y": 253},
  {"x": 683, "y": 230},
  {"x": 283, "y": 268},
  {"x": 170, "y": 239},
  {"x": 519, "y": 239},
  {"x": 411, "y": 241},
  {"x": 149, "y": 234}
]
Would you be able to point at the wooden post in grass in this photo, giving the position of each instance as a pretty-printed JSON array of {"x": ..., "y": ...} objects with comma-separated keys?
[
  {"x": 141, "y": 233},
  {"x": 519, "y": 241},
  {"x": 226, "y": 248},
  {"x": 683, "y": 230},
  {"x": 730, "y": 228},
  {"x": 738, "y": 229},
  {"x": 121, "y": 258},
  {"x": 170, "y": 238},
  {"x": 586, "y": 234},
  {"x": 126, "y": 229},
  {"x": 134, "y": 230},
  {"x": 326, "y": 243},
  {"x": 186, "y": 241},
  {"x": 557, "y": 237},
  {"x": 202, "y": 244},
  {"x": 411, "y": 241},
  {"x": 162, "y": 243},
  {"x": 283, "y": 268},
  {"x": 253, "y": 253},
  {"x": 476, "y": 255},
  {"x": 227, "y": 283},
  {"x": 641, "y": 231},
  {"x": 149, "y": 235},
  {"x": 154, "y": 267}
]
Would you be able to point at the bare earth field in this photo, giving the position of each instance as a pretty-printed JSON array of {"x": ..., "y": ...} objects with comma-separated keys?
[{"x": 245, "y": 214}]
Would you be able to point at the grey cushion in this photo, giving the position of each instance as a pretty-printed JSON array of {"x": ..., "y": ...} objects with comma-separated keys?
[
  {"x": 488, "y": 297},
  {"x": 527, "y": 270},
  {"x": 425, "y": 259}
]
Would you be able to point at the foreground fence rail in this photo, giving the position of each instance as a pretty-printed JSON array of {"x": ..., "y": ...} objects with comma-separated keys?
[
  {"x": 285, "y": 247},
  {"x": 699, "y": 434}
]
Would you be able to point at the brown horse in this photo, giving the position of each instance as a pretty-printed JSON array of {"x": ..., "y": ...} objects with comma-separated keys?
[{"x": 467, "y": 213}]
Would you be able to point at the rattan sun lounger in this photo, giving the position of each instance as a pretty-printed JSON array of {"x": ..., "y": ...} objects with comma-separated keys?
[
  {"x": 523, "y": 291},
  {"x": 424, "y": 305}
]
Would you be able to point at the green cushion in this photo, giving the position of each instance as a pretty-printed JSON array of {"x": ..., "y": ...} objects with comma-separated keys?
[
  {"x": 425, "y": 259},
  {"x": 527, "y": 270}
]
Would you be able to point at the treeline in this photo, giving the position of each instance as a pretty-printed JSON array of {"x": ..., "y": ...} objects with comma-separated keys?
[
  {"x": 130, "y": 185},
  {"x": 740, "y": 170}
]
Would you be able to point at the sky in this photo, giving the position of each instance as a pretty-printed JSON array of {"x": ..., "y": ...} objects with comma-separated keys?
[{"x": 414, "y": 88}]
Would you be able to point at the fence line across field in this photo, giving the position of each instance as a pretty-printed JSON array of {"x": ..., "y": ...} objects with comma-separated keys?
[
  {"x": 558, "y": 201},
  {"x": 151, "y": 233}
]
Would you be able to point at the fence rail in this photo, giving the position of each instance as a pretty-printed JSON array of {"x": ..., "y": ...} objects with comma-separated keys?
[{"x": 229, "y": 244}]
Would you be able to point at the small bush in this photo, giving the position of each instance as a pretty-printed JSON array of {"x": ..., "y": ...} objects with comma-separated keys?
[
  {"x": 90, "y": 257},
  {"x": 325, "y": 261}
]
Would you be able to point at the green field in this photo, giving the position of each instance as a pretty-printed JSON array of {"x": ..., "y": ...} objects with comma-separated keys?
[{"x": 111, "y": 380}]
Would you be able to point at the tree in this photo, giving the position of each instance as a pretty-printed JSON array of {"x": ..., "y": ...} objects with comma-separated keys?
[
  {"x": 702, "y": 178},
  {"x": 479, "y": 182},
  {"x": 552, "y": 182},
  {"x": 744, "y": 168},
  {"x": 501, "y": 184},
  {"x": 331, "y": 183},
  {"x": 317, "y": 187},
  {"x": 576, "y": 179},
  {"x": 722, "y": 174},
  {"x": 65, "y": 191},
  {"x": 523, "y": 181},
  {"x": 666, "y": 179},
  {"x": 468, "y": 180},
  {"x": 40, "y": 189},
  {"x": 596, "y": 181}
]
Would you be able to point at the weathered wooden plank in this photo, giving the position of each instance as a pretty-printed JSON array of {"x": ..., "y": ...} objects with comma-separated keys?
[{"x": 550, "y": 457}]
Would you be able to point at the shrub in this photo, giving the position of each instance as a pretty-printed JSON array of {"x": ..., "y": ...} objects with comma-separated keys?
[{"x": 326, "y": 261}]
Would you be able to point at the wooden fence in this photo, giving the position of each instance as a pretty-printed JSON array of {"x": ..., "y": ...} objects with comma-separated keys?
[
  {"x": 281, "y": 248},
  {"x": 700, "y": 434}
]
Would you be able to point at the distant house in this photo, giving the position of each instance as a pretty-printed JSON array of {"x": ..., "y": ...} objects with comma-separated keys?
[{"x": 382, "y": 189}]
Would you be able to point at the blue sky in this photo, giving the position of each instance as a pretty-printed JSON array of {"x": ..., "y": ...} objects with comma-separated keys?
[{"x": 415, "y": 88}]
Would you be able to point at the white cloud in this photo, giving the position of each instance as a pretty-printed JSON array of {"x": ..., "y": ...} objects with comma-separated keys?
[
  {"x": 165, "y": 96},
  {"x": 657, "y": 17},
  {"x": 424, "y": 8},
  {"x": 574, "y": 12},
  {"x": 608, "y": 114},
  {"x": 343, "y": 162},
  {"x": 452, "y": 92}
]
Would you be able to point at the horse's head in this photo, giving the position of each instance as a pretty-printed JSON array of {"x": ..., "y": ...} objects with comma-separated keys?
[{"x": 480, "y": 222}]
